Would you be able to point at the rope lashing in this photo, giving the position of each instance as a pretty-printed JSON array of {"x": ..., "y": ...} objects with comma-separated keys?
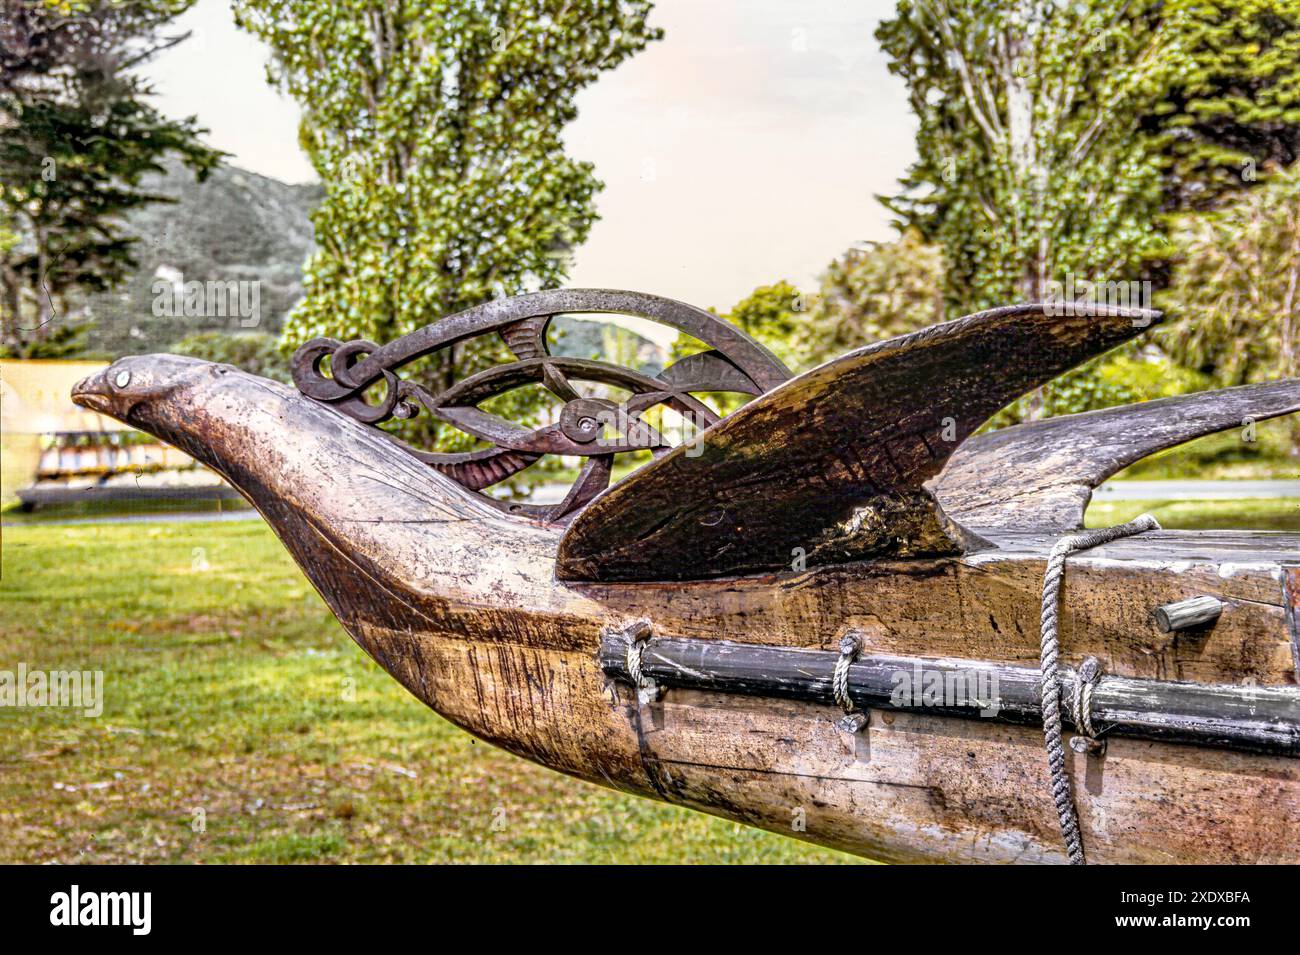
[
  {"x": 850, "y": 646},
  {"x": 637, "y": 633},
  {"x": 1086, "y": 678},
  {"x": 1049, "y": 657},
  {"x": 634, "y": 650}
]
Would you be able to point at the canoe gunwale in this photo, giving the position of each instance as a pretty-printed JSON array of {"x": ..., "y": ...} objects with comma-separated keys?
[{"x": 1252, "y": 719}]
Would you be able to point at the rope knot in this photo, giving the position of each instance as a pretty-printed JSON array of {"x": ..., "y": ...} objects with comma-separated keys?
[
  {"x": 636, "y": 634},
  {"x": 850, "y": 646},
  {"x": 1085, "y": 678}
]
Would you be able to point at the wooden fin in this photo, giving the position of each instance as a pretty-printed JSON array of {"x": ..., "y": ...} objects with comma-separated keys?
[
  {"x": 1041, "y": 475},
  {"x": 830, "y": 466}
]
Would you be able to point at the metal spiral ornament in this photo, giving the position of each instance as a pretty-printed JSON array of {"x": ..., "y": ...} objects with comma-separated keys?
[{"x": 588, "y": 425}]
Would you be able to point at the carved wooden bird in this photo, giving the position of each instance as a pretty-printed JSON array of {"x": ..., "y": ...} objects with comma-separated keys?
[{"x": 852, "y": 497}]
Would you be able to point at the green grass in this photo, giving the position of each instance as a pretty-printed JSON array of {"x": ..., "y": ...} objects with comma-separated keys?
[
  {"x": 1260, "y": 514},
  {"x": 87, "y": 509},
  {"x": 1226, "y": 457},
  {"x": 242, "y": 725}
]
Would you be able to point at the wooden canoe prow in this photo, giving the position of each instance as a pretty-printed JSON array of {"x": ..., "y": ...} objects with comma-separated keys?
[{"x": 459, "y": 601}]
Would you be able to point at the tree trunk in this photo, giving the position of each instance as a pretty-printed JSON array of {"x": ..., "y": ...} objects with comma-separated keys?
[
  {"x": 44, "y": 308},
  {"x": 10, "y": 303}
]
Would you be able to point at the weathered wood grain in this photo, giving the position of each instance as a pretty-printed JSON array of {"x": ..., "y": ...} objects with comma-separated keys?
[
  {"x": 988, "y": 606},
  {"x": 977, "y": 788},
  {"x": 1291, "y": 601},
  {"x": 1041, "y": 474},
  {"x": 458, "y": 600},
  {"x": 1189, "y": 614},
  {"x": 831, "y": 465}
]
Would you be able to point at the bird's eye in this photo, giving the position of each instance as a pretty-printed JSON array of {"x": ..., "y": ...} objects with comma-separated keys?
[{"x": 123, "y": 379}]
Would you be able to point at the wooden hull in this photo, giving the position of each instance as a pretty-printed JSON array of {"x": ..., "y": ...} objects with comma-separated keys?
[
  {"x": 910, "y": 787},
  {"x": 459, "y": 602}
]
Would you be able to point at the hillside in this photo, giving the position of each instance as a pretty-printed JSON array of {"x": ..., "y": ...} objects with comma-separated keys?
[
  {"x": 237, "y": 226},
  {"x": 242, "y": 227}
]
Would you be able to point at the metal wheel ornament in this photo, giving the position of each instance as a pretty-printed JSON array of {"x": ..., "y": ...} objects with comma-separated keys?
[{"x": 591, "y": 427}]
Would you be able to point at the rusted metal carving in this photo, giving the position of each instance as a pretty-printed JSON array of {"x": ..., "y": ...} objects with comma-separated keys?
[{"x": 590, "y": 423}]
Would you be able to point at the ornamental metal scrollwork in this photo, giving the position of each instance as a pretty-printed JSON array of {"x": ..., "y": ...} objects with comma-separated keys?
[{"x": 589, "y": 425}]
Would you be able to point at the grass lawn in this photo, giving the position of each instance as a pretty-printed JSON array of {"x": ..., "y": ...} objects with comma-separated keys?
[
  {"x": 242, "y": 725},
  {"x": 1255, "y": 514}
]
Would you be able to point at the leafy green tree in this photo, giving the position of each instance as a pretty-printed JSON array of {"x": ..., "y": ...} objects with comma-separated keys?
[
  {"x": 1235, "y": 105},
  {"x": 1030, "y": 167},
  {"x": 1236, "y": 286},
  {"x": 77, "y": 134},
  {"x": 872, "y": 293},
  {"x": 436, "y": 127},
  {"x": 255, "y": 352}
]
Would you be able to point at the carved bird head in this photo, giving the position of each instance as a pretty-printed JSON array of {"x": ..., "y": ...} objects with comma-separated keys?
[
  {"x": 410, "y": 562},
  {"x": 322, "y": 479},
  {"x": 148, "y": 391}
]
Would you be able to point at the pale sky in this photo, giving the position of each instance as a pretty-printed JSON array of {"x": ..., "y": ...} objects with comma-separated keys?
[{"x": 743, "y": 148}]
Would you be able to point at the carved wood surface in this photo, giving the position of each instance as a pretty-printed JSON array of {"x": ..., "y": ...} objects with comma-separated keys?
[
  {"x": 834, "y": 461},
  {"x": 1042, "y": 474},
  {"x": 910, "y": 783},
  {"x": 1291, "y": 602},
  {"x": 459, "y": 602}
]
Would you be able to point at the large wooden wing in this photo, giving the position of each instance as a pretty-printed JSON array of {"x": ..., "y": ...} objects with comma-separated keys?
[
  {"x": 1041, "y": 475},
  {"x": 830, "y": 466}
]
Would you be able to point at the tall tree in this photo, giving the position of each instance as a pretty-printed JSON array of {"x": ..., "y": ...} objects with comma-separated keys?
[
  {"x": 1029, "y": 168},
  {"x": 1234, "y": 106},
  {"x": 436, "y": 127},
  {"x": 872, "y": 293},
  {"x": 77, "y": 134},
  {"x": 1236, "y": 286}
]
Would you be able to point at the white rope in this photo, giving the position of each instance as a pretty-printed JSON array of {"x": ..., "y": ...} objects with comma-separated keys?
[
  {"x": 637, "y": 635},
  {"x": 635, "y": 648},
  {"x": 1086, "y": 678},
  {"x": 854, "y": 719},
  {"x": 850, "y": 647},
  {"x": 1048, "y": 660}
]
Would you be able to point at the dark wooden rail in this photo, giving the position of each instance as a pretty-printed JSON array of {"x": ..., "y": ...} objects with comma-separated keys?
[{"x": 1251, "y": 718}]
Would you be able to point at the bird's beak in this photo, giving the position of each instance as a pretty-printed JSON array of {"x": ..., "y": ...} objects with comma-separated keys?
[{"x": 93, "y": 392}]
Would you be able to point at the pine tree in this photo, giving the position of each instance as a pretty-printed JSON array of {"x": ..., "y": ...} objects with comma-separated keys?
[{"x": 77, "y": 134}]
